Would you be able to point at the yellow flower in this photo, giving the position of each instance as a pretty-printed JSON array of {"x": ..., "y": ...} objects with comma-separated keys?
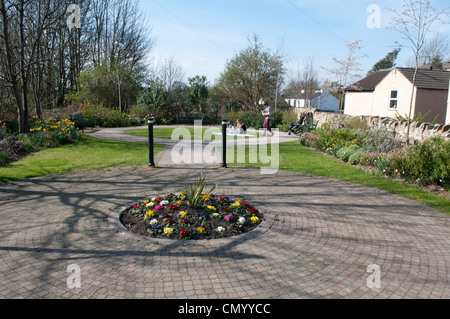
[
  {"x": 150, "y": 213},
  {"x": 211, "y": 207},
  {"x": 179, "y": 203},
  {"x": 168, "y": 231},
  {"x": 200, "y": 229},
  {"x": 182, "y": 214},
  {"x": 254, "y": 219},
  {"x": 236, "y": 204},
  {"x": 146, "y": 201},
  {"x": 206, "y": 198},
  {"x": 150, "y": 205}
]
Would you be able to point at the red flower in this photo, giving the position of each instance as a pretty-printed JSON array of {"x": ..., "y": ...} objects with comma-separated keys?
[
  {"x": 135, "y": 206},
  {"x": 224, "y": 209},
  {"x": 158, "y": 200},
  {"x": 184, "y": 233},
  {"x": 170, "y": 221},
  {"x": 172, "y": 207},
  {"x": 246, "y": 204},
  {"x": 252, "y": 211}
]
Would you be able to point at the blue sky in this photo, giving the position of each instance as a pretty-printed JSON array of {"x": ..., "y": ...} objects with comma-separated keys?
[{"x": 201, "y": 35}]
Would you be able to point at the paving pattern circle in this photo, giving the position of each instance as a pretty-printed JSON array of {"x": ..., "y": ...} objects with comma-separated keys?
[{"x": 318, "y": 240}]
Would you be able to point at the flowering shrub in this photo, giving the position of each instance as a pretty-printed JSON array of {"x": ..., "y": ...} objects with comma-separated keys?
[
  {"x": 44, "y": 132},
  {"x": 214, "y": 217},
  {"x": 49, "y": 132}
]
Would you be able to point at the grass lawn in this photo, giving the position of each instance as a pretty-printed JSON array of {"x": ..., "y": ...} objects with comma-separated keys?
[
  {"x": 296, "y": 158},
  {"x": 88, "y": 153},
  {"x": 92, "y": 153},
  {"x": 166, "y": 132}
]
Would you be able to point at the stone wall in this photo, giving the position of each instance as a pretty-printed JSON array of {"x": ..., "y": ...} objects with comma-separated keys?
[{"x": 418, "y": 131}]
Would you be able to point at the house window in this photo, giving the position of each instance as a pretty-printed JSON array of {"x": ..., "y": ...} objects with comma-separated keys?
[{"x": 394, "y": 99}]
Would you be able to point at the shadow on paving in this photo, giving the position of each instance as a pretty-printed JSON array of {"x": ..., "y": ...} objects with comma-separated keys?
[{"x": 72, "y": 213}]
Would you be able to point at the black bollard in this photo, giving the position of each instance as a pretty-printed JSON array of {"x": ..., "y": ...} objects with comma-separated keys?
[
  {"x": 150, "y": 142},
  {"x": 224, "y": 143}
]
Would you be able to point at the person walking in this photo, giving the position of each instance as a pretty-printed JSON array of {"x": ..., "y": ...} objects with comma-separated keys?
[{"x": 267, "y": 112}]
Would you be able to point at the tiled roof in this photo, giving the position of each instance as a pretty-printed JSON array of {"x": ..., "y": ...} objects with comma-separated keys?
[
  {"x": 428, "y": 79},
  {"x": 369, "y": 83},
  {"x": 435, "y": 79}
]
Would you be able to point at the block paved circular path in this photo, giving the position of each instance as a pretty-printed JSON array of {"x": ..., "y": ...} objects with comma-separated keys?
[{"x": 317, "y": 241}]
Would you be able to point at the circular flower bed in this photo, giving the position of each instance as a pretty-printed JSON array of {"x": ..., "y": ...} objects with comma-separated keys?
[{"x": 172, "y": 217}]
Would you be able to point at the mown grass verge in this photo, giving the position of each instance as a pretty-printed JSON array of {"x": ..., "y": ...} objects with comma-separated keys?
[
  {"x": 299, "y": 159},
  {"x": 88, "y": 153}
]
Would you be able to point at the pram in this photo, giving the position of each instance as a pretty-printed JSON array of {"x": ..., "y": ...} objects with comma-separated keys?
[{"x": 297, "y": 128}]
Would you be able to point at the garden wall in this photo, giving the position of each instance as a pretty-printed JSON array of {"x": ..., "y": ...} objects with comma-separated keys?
[{"x": 418, "y": 131}]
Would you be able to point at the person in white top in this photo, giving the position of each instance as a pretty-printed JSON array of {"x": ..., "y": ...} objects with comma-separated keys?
[{"x": 267, "y": 112}]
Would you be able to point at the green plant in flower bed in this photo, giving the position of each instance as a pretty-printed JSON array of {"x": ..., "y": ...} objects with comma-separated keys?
[
  {"x": 49, "y": 132},
  {"x": 172, "y": 217},
  {"x": 356, "y": 157},
  {"x": 330, "y": 139},
  {"x": 345, "y": 152}
]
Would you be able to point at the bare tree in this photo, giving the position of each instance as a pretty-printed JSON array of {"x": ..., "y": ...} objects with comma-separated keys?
[
  {"x": 304, "y": 81},
  {"x": 414, "y": 23},
  {"x": 437, "y": 47},
  {"x": 24, "y": 23},
  {"x": 348, "y": 68},
  {"x": 168, "y": 71}
]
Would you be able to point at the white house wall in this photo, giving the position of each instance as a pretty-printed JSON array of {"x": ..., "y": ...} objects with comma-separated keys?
[
  {"x": 377, "y": 103},
  {"x": 358, "y": 103}
]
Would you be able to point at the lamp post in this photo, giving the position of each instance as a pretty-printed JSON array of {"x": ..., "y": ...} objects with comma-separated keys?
[
  {"x": 224, "y": 143},
  {"x": 150, "y": 142}
]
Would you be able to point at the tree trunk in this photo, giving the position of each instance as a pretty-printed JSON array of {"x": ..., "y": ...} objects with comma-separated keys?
[
  {"x": 26, "y": 119},
  {"x": 411, "y": 105},
  {"x": 10, "y": 68}
]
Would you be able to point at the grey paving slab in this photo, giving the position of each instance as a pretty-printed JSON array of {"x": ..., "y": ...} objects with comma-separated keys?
[{"x": 317, "y": 241}]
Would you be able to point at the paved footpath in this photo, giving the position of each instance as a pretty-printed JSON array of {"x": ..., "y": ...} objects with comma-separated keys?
[
  {"x": 196, "y": 148},
  {"x": 317, "y": 241}
]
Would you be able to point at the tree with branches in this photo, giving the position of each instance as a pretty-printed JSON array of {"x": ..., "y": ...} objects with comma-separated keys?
[
  {"x": 347, "y": 68},
  {"x": 414, "y": 23}
]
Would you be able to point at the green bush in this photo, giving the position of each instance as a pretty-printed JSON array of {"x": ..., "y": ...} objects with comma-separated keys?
[
  {"x": 284, "y": 127},
  {"x": 356, "y": 157},
  {"x": 336, "y": 138},
  {"x": 3, "y": 158},
  {"x": 276, "y": 119},
  {"x": 139, "y": 111},
  {"x": 379, "y": 140},
  {"x": 94, "y": 115},
  {"x": 290, "y": 116},
  {"x": 115, "y": 118},
  {"x": 345, "y": 152},
  {"x": 253, "y": 120},
  {"x": 429, "y": 162}
]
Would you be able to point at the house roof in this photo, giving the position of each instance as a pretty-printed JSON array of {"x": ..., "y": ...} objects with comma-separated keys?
[
  {"x": 435, "y": 79},
  {"x": 369, "y": 83},
  {"x": 427, "y": 78}
]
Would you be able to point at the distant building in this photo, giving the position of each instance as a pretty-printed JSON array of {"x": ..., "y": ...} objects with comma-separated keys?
[
  {"x": 297, "y": 102},
  {"x": 446, "y": 66},
  {"x": 387, "y": 93},
  {"x": 325, "y": 102},
  {"x": 322, "y": 100}
]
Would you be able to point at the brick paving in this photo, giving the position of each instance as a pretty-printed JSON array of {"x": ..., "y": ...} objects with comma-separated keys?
[{"x": 317, "y": 241}]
